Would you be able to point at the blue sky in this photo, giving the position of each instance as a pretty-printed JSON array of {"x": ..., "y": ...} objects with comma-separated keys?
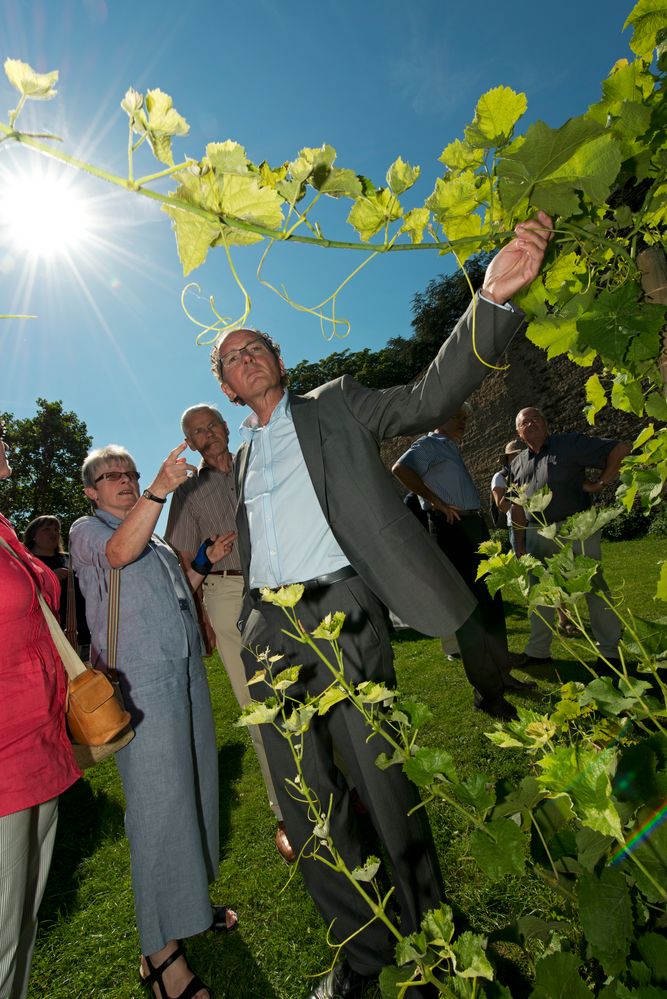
[{"x": 374, "y": 78}]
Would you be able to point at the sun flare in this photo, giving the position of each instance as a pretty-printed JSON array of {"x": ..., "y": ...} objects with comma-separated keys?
[{"x": 43, "y": 213}]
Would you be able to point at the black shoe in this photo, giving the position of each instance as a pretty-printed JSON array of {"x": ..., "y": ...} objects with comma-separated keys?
[
  {"x": 513, "y": 683},
  {"x": 519, "y": 660},
  {"x": 342, "y": 982},
  {"x": 500, "y": 709}
]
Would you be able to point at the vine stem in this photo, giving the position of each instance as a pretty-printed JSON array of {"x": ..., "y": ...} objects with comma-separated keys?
[{"x": 288, "y": 237}]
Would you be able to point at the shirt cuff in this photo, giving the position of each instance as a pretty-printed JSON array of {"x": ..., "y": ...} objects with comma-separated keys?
[{"x": 508, "y": 307}]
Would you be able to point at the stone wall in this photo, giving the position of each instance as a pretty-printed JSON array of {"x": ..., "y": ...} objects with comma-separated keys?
[{"x": 556, "y": 387}]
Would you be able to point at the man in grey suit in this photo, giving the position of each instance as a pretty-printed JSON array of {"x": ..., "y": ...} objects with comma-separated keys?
[{"x": 317, "y": 506}]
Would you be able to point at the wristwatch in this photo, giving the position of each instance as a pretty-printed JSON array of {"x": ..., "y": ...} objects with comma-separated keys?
[{"x": 151, "y": 496}]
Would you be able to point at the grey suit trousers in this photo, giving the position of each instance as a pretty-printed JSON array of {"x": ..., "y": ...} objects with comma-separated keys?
[{"x": 387, "y": 794}]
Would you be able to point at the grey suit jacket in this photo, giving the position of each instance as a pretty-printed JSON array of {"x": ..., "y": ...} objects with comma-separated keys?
[{"x": 340, "y": 426}]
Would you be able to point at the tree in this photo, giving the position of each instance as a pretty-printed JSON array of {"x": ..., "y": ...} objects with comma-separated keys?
[{"x": 46, "y": 454}]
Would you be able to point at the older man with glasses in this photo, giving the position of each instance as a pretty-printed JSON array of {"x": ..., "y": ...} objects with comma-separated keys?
[{"x": 318, "y": 507}]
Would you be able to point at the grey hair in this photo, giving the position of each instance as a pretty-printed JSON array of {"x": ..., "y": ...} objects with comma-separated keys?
[
  {"x": 111, "y": 454},
  {"x": 523, "y": 409},
  {"x": 197, "y": 409}
]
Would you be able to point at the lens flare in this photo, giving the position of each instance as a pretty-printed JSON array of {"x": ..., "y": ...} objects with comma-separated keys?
[{"x": 43, "y": 214}]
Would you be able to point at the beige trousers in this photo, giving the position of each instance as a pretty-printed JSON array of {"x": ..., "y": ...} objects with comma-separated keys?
[
  {"x": 26, "y": 846},
  {"x": 222, "y": 600}
]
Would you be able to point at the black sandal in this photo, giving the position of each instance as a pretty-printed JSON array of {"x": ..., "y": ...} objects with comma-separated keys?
[
  {"x": 219, "y": 924},
  {"x": 155, "y": 976}
]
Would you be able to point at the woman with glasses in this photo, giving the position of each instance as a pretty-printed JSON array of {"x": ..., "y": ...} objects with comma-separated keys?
[
  {"x": 169, "y": 770},
  {"x": 36, "y": 760}
]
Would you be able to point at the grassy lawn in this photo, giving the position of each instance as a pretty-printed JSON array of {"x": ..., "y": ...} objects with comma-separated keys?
[{"x": 87, "y": 944}]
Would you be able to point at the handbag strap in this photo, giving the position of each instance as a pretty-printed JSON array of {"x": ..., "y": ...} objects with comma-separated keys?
[
  {"x": 71, "y": 629},
  {"x": 73, "y": 665},
  {"x": 113, "y": 610}
]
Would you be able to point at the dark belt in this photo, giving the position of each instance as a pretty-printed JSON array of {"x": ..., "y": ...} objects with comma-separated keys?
[
  {"x": 317, "y": 582},
  {"x": 461, "y": 513},
  {"x": 225, "y": 572}
]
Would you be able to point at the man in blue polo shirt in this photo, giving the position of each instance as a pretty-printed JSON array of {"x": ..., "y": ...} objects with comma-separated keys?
[
  {"x": 559, "y": 461},
  {"x": 434, "y": 469}
]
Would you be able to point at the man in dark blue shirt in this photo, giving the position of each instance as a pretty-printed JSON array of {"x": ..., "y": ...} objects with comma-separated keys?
[{"x": 559, "y": 461}]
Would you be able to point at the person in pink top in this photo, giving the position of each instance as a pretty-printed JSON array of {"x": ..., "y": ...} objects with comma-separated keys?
[{"x": 36, "y": 759}]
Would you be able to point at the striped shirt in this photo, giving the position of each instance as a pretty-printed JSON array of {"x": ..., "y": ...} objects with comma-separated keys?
[{"x": 202, "y": 506}]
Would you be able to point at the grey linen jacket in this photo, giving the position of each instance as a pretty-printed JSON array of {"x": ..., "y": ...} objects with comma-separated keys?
[{"x": 340, "y": 426}]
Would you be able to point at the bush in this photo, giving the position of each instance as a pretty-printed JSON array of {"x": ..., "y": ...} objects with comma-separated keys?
[
  {"x": 631, "y": 525},
  {"x": 658, "y": 523}
]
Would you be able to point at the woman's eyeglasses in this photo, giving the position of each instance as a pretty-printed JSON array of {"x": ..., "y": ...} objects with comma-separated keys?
[{"x": 117, "y": 476}]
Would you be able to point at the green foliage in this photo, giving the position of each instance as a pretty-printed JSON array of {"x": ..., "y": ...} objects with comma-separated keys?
[
  {"x": 47, "y": 452},
  {"x": 601, "y": 174}
]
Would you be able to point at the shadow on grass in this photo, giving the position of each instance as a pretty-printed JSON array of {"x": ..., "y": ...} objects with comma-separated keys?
[
  {"x": 230, "y": 769},
  {"x": 228, "y": 965},
  {"x": 399, "y": 635},
  {"x": 85, "y": 818}
]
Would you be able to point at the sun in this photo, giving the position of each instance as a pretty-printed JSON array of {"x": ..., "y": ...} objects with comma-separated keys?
[{"x": 43, "y": 212}]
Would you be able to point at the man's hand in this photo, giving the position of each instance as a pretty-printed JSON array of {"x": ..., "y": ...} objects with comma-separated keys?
[
  {"x": 518, "y": 263},
  {"x": 593, "y": 487},
  {"x": 448, "y": 510}
]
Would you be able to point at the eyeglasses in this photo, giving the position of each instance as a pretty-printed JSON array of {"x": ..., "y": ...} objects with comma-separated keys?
[
  {"x": 117, "y": 476},
  {"x": 254, "y": 348}
]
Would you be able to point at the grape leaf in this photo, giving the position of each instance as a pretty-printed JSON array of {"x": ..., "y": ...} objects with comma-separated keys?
[
  {"x": 227, "y": 157},
  {"x": 337, "y": 182},
  {"x": 553, "y": 334},
  {"x": 584, "y": 775},
  {"x": 414, "y": 223},
  {"x": 464, "y": 227},
  {"x": 557, "y": 977},
  {"x": 370, "y": 212},
  {"x": 579, "y": 527},
  {"x": 457, "y": 195},
  {"x": 617, "y": 320},
  {"x": 470, "y": 953},
  {"x": 627, "y": 394},
  {"x": 652, "y": 948},
  {"x": 194, "y": 237},
  {"x": 552, "y": 164},
  {"x": 243, "y": 198},
  {"x": 651, "y": 853},
  {"x": 605, "y": 911},
  {"x": 656, "y": 406},
  {"x": 401, "y": 176},
  {"x": 496, "y": 114},
  {"x": 596, "y": 398},
  {"x": 37, "y": 86},
  {"x": 368, "y": 871},
  {"x": 438, "y": 925},
  {"x": 309, "y": 159},
  {"x": 160, "y": 121},
  {"x": 427, "y": 764},
  {"x": 460, "y": 156},
  {"x": 500, "y": 853},
  {"x": 628, "y": 81},
  {"x": 647, "y": 18}
]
